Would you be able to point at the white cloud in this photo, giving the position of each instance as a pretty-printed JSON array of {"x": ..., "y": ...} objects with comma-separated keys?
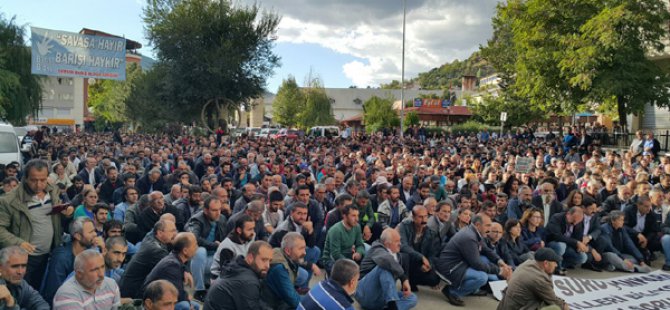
[{"x": 438, "y": 31}]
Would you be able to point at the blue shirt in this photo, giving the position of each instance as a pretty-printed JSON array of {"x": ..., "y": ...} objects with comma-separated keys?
[{"x": 327, "y": 295}]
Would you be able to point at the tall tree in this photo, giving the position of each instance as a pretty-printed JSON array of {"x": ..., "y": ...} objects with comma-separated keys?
[
  {"x": 318, "y": 109},
  {"x": 564, "y": 56},
  {"x": 213, "y": 52},
  {"x": 20, "y": 91},
  {"x": 145, "y": 105},
  {"x": 289, "y": 104},
  {"x": 107, "y": 98},
  {"x": 379, "y": 114}
]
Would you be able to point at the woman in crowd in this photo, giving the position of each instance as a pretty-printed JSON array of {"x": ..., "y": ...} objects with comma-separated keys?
[
  {"x": 512, "y": 248},
  {"x": 532, "y": 231}
]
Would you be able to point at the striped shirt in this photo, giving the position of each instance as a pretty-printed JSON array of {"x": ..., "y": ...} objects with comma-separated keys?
[
  {"x": 327, "y": 295},
  {"x": 72, "y": 296},
  {"x": 43, "y": 228}
]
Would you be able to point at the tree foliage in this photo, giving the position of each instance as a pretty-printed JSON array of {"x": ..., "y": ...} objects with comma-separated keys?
[
  {"x": 379, "y": 113},
  {"x": 108, "y": 97},
  {"x": 566, "y": 56},
  {"x": 411, "y": 119},
  {"x": 209, "y": 50},
  {"x": 318, "y": 108},
  {"x": 450, "y": 74},
  {"x": 144, "y": 105},
  {"x": 20, "y": 90},
  {"x": 519, "y": 112},
  {"x": 289, "y": 104}
]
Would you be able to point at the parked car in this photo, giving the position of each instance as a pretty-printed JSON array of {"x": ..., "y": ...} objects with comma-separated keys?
[
  {"x": 267, "y": 132},
  {"x": 324, "y": 131},
  {"x": 9, "y": 145},
  {"x": 288, "y": 134}
]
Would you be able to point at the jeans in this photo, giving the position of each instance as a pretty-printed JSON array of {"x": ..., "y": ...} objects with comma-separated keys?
[
  {"x": 302, "y": 278},
  {"x": 472, "y": 281},
  {"x": 186, "y": 305},
  {"x": 486, "y": 260},
  {"x": 312, "y": 255},
  {"x": 378, "y": 288},
  {"x": 200, "y": 268},
  {"x": 571, "y": 257},
  {"x": 665, "y": 243},
  {"x": 617, "y": 262}
]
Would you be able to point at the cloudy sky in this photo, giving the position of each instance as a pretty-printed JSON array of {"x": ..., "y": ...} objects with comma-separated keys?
[{"x": 345, "y": 42}]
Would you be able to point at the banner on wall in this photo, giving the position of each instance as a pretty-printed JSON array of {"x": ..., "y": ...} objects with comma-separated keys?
[{"x": 69, "y": 54}]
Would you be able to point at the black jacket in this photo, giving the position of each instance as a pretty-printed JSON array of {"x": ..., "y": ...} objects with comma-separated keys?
[
  {"x": 612, "y": 203},
  {"x": 149, "y": 254},
  {"x": 107, "y": 190},
  {"x": 378, "y": 255},
  {"x": 558, "y": 225},
  {"x": 238, "y": 288},
  {"x": 511, "y": 251},
  {"x": 429, "y": 246},
  {"x": 145, "y": 186},
  {"x": 463, "y": 251},
  {"x": 200, "y": 226},
  {"x": 287, "y": 226},
  {"x": 171, "y": 269},
  {"x": 650, "y": 225},
  {"x": 555, "y": 207},
  {"x": 147, "y": 218}
]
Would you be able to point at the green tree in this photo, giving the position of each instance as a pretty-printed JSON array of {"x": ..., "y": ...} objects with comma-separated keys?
[
  {"x": 20, "y": 90},
  {"x": 395, "y": 84},
  {"x": 411, "y": 119},
  {"x": 566, "y": 56},
  {"x": 214, "y": 52},
  {"x": 378, "y": 113},
  {"x": 318, "y": 109},
  {"x": 145, "y": 105},
  {"x": 518, "y": 111},
  {"x": 289, "y": 104},
  {"x": 108, "y": 97}
]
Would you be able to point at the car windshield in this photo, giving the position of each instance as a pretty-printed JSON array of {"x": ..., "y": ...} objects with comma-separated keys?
[{"x": 8, "y": 143}]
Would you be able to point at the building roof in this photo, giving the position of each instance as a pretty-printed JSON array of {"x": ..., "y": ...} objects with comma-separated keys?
[{"x": 453, "y": 110}]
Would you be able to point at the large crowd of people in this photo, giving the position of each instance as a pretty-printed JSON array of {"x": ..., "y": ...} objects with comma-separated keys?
[{"x": 112, "y": 220}]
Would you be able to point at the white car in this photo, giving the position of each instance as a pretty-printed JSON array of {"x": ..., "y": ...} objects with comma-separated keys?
[{"x": 9, "y": 145}]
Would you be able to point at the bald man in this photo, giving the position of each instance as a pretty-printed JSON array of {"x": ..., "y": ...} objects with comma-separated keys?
[{"x": 381, "y": 267}]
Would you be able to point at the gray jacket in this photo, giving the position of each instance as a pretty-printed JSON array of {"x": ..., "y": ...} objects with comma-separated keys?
[
  {"x": 378, "y": 255},
  {"x": 384, "y": 213}
]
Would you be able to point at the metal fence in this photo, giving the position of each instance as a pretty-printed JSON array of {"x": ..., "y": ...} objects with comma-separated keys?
[{"x": 623, "y": 140}]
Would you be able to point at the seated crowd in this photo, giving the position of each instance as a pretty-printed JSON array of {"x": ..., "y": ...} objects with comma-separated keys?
[{"x": 179, "y": 222}]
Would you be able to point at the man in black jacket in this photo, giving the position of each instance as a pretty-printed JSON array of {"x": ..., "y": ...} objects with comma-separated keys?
[
  {"x": 618, "y": 201},
  {"x": 460, "y": 261},
  {"x": 107, "y": 188},
  {"x": 240, "y": 286},
  {"x": 642, "y": 227},
  {"x": 172, "y": 267},
  {"x": 15, "y": 292},
  {"x": 380, "y": 268},
  {"x": 149, "y": 216},
  {"x": 423, "y": 251},
  {"x": 191, "y": 204},
  {"x": 298, "y": 221},
  {"x": 151, "y": 181},
  {"x": 209, "y": 227},
  {"x": 565, "y": 234},
  {"x": 592, "y": 236},
  {"x": 154, "y": 248}
]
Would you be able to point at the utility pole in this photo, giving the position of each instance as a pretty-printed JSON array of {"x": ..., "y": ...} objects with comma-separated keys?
[{"x": 402, "y": 78}]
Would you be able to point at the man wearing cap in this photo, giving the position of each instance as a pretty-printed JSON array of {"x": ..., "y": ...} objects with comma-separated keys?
[{"x": 530, "y": 286}]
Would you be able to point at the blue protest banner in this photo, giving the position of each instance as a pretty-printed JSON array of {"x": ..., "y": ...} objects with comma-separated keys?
[{"x": 69, "y": 54}]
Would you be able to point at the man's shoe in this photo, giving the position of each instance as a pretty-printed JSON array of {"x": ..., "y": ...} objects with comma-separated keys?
[
  {"x": 666, "y": 267},
  {"x": 480, "y": 293},
  {"x": 200, "y": 295},
  {"x": 591, "y": 266},
  {"x": 560, "y": 272},
  {"x": 453, "y": 300},
  {"x": 391, "y": 305},
  {"x": 413, "y": 288}
]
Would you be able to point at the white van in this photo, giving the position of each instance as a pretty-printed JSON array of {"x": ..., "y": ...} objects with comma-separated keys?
[
  {"x": 324, "y": 131},
  {"x": 9, "y": 145}
]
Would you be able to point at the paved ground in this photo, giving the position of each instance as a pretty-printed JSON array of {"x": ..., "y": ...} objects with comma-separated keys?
[{"x": 430, "y": 299}]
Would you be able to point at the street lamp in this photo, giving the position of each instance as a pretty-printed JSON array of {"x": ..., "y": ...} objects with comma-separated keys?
[{"x": 402, "y": 78}]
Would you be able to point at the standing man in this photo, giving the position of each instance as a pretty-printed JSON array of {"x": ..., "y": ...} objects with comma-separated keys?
[
  {"x": 240, "y": 288},
  {"x": 15, "y": 291},
  {"x": 531, "y": 286},
  {"x": 28, "y": 220}
]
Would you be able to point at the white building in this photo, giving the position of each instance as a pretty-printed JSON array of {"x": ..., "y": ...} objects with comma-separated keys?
[{"x": 348, "y": 102}]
